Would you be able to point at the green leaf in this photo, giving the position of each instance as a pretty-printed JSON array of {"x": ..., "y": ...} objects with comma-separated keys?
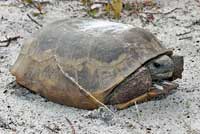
[{"x": 92, "y": 12}]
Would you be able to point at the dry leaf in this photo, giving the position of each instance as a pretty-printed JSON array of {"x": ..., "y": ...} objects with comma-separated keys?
[
  {"x": 108, "y": 7},
  {"x": 116, "y": 7},
  {"x": 39, "y": 7}
]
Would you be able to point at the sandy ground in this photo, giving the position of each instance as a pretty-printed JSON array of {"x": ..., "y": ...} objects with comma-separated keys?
[{"x": 23, "y": 112}]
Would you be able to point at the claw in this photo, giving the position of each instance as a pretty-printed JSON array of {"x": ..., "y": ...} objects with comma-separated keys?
[{"x": 158, "y": 86}]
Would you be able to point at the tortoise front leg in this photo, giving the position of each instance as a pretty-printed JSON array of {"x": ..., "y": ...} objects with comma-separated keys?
[
  {"x": 153, "y": 92},
  {"x": 133, "y": 86}
]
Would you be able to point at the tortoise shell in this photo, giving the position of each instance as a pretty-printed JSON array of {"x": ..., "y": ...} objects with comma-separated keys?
[{"x": 68, "y": 56}]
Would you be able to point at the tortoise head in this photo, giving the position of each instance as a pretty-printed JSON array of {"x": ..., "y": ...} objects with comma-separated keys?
[{"x": 165, "y": 67}]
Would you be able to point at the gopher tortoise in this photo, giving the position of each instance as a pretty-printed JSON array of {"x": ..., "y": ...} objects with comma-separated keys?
[{"x": 87, "y": 63}]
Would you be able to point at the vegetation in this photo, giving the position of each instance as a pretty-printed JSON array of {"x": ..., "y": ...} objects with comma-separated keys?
[{"x": 115, "y": 7}]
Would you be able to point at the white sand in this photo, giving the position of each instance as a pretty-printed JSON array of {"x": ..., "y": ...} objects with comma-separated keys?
[{"x": 22, "y": 112}]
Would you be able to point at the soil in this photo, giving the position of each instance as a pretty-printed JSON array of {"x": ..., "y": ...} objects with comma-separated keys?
[{"x": 23, "y": 112}]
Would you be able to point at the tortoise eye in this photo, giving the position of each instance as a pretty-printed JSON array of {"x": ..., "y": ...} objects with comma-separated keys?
[{"x": 157, "y": 65}]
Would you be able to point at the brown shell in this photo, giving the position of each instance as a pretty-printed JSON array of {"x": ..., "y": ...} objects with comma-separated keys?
[{"x": 94, "y": 55}]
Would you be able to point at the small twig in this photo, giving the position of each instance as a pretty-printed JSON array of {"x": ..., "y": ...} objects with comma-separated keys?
[
  {"x": 181, "y": 34},
  {"x": 34, "y": 20},
  {"x": 188, "y": 38},
  {"x": 71, "y": 125},
  {"x": 50, "y": 129},
  {"x": 166, "y": 13},
  {"x": 8, "y": 40}
]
